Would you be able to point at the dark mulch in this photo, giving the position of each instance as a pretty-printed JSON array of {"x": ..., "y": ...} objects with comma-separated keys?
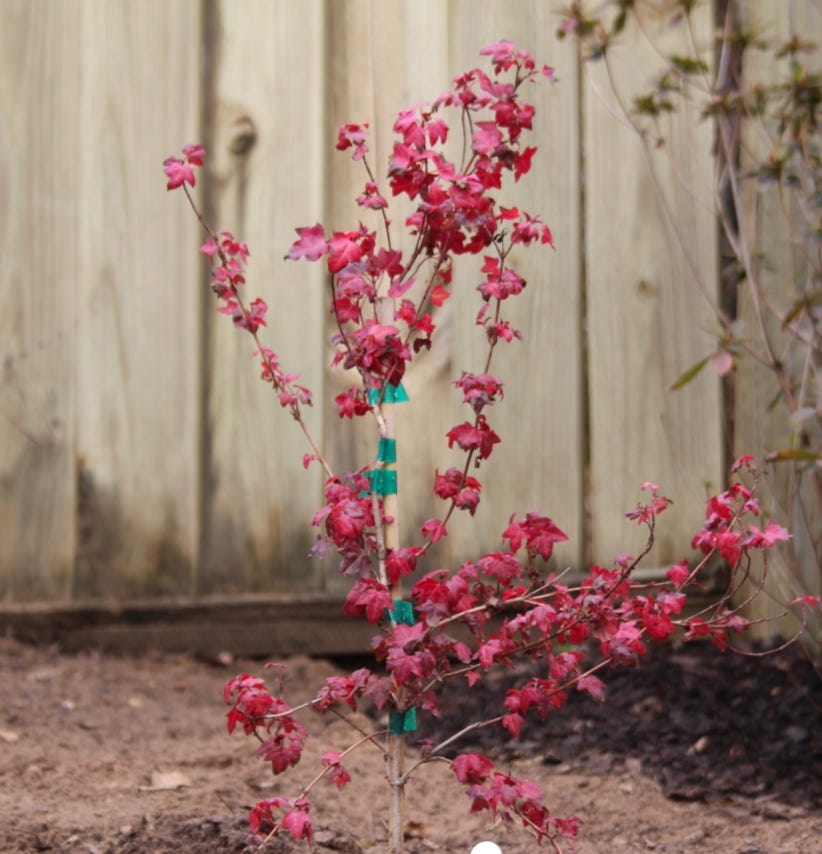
[{"x": 705, "y": 724}]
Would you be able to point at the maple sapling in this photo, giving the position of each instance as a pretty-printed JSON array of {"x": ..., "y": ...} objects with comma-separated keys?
[{"x": 509, "y": 605}]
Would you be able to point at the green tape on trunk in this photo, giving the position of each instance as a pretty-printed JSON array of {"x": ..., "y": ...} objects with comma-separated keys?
[
  {"x": 387, "y": 451},
  {"x": 383, "y": 481},
  {"x": 393, "y": 394},
  {"x": 402, "y": 722},
  {"x": 402, "y": 613}
]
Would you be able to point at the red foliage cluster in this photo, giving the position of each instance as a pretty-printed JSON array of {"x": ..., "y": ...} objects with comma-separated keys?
[
  {"x": 513, "y": 608},
  {"x": 508, "y": 604}
]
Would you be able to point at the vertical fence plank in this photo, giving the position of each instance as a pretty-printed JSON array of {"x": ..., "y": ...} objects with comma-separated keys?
[
  {"x": 266, "y": 167},
  {"x": 39, "y": 86},
  {"x": 794, "y": 568},
  {"x": 136, "y": 376},
  {"x": 385, "y": 57},
  {"x": 646, "y": 314},
  {"x": 539, "y": 465}
]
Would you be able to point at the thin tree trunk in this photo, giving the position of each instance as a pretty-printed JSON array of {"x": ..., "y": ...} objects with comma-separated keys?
[{"x": 391, "y": 538}]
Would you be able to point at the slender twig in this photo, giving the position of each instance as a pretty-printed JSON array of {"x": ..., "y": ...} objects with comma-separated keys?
[{"x": 293, "y": 407}]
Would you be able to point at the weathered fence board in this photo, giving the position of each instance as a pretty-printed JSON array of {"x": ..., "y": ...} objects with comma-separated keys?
[
  {"x": 39, "y": 186},
  {"x": 645, "y": 311},
  {"x": 137, "y": 372},
  {"x": 267, "y": 144}
]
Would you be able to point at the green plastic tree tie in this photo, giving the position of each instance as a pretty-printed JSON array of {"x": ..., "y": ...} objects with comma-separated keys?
[
  {"x": 383, "y": 481},
  {"x": 393, "y": 394},
  {"x": 387, "y": 451},
  {"x": 402, "y": 613},
  {"x": 402, "y": 722}
]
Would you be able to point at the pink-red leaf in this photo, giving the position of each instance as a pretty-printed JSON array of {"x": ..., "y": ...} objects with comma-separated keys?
[
  {"x": 312, "y": 244},
  {"x": 434, "y": 529}
]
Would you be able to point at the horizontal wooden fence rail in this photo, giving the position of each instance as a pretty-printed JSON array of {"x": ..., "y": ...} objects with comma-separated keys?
[{"x": 140, "y": 456}]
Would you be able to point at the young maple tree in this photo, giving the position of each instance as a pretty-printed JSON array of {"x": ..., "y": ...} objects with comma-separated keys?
[{"x": 509, "y": 604}]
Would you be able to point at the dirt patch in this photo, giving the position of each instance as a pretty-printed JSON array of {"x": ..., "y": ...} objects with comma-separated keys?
[
  {"x": 695, "y": 752},
  {"x": 703, "y": 724}
]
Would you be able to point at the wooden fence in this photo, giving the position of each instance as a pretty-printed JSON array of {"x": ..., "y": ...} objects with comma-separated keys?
[{"x": 140, "y": 456}]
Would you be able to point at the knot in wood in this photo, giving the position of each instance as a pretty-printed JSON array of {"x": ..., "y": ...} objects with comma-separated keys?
[{"x": 242, "y": 136}]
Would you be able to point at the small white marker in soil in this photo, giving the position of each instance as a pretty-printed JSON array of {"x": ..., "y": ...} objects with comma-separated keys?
[{"x": 486, "y": 848}]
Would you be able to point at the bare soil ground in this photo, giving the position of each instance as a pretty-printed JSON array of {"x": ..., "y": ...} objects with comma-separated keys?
[{"x": 695, "y": 752}]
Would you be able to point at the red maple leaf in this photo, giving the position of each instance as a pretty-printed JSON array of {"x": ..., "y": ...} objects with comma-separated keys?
[
  {"x": 353, "y": 135},
  {"x": 522, "y": 163},
  {"x": 437, "y": 131},
  {"x": 472, "y": 768},
  {"x": 399, "y": 562},
  {"x": 178, "y": 173},
  {"x": 195, "y": 153},
  {"x": 312, "y": 244},
  {"x": 487, "y": 138},
  {"x": 434, "y": 529},
  {"x": 502, "y": 54},
  {"x": 298, "y": 823},
  {"x": 368, "y": 597},
  {"x": 539, "y": 533},
  {"x": 767, "y": 538},
  {"x": 344, "y": 250},
  {"x": 469, "y": 437}
]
